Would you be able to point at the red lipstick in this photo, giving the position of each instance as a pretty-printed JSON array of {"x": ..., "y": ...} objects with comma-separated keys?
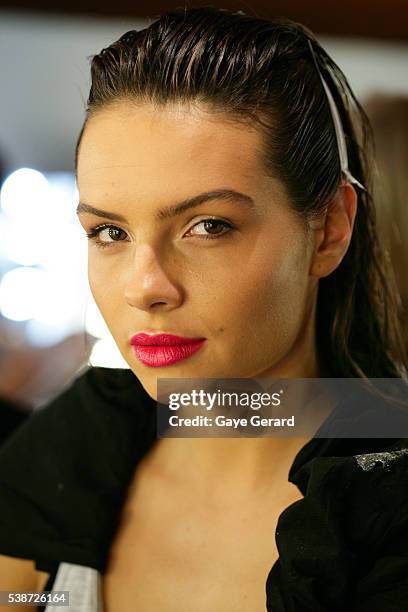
[{"x": 164, "y": 349}]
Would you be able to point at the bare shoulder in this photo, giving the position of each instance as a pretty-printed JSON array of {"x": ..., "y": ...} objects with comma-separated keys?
[{"x": 20, "y": 575}]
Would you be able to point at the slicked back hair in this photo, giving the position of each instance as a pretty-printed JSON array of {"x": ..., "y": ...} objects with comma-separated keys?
[{"x": 261, "y": 72}]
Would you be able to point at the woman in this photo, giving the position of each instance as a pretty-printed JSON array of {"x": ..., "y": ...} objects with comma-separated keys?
[{"x": 226, "y": 198}]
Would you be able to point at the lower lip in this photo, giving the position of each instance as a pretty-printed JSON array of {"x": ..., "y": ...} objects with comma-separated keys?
[{"x": 158, "y": 356}]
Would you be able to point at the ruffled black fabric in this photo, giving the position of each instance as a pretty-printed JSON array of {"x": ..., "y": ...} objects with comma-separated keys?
[
  {"x": 342, "y": 547},
  {"x": 64, "y": 472}
]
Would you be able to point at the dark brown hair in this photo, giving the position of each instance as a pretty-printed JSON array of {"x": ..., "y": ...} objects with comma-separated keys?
[{"x": 262, "y": 72}]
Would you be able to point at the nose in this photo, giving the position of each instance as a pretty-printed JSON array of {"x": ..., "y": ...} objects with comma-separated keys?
[{"x": 148, "y": 285}]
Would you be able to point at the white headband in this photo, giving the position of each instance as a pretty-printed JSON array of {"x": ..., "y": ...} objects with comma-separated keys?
[{"x": 341, "y": 143}]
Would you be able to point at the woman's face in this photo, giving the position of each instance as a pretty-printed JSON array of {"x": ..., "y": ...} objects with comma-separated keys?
[{"x": 241, "y": 281}]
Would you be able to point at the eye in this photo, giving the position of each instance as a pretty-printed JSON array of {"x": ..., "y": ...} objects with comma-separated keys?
[
  {"x": 213, "y": 227},
  {"x": 111, "y": 231}
]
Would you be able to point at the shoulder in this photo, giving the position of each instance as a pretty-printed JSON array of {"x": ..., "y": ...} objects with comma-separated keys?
[
  {"x": 71, "y": 462},
  {"x": 95, "y": 399},
  {"x": 345, "y": 544}
]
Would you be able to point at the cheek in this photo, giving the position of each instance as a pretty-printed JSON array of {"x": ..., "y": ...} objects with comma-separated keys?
[
  {"x": 268, "y": 275},
  {"x": 266, "y": 298},
  {"x": 268, "y": 289}
]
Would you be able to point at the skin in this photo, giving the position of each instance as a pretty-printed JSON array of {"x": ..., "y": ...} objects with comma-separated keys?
[{"x": 251, "y": 291}]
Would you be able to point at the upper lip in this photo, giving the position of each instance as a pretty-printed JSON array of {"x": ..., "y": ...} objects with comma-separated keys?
[{"x": 144, "y": 339}]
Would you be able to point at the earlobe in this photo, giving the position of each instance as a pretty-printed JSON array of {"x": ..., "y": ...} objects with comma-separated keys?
[{"x": 333, "y": 236}]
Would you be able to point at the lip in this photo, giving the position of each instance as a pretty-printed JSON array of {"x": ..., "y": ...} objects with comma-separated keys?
[
  {"x": 158, "y": 350},
  {"x": 144, "y": 339}
]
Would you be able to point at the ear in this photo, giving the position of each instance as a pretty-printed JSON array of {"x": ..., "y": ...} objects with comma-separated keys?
[{"x": 333, "y": 231}]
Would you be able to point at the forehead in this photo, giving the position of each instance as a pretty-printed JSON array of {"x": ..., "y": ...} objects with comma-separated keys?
[{"x": 127, "y": 146}]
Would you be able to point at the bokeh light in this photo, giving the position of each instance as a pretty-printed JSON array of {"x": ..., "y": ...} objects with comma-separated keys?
[{"x": 43, "y": 264}]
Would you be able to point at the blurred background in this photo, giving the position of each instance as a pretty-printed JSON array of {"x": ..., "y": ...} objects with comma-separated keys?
[{"x": 50, "y": 327}]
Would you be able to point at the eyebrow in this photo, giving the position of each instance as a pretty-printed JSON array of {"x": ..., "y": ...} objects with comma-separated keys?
[{"x": 230, "y": 195}]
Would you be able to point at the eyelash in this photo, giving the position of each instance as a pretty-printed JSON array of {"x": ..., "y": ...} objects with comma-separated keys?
[{"x": 95, "y": 231}]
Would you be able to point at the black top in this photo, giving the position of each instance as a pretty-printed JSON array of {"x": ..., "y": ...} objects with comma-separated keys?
[
  {"x": 12, "y": 415},
  {"x": 343, "y": 546}
]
